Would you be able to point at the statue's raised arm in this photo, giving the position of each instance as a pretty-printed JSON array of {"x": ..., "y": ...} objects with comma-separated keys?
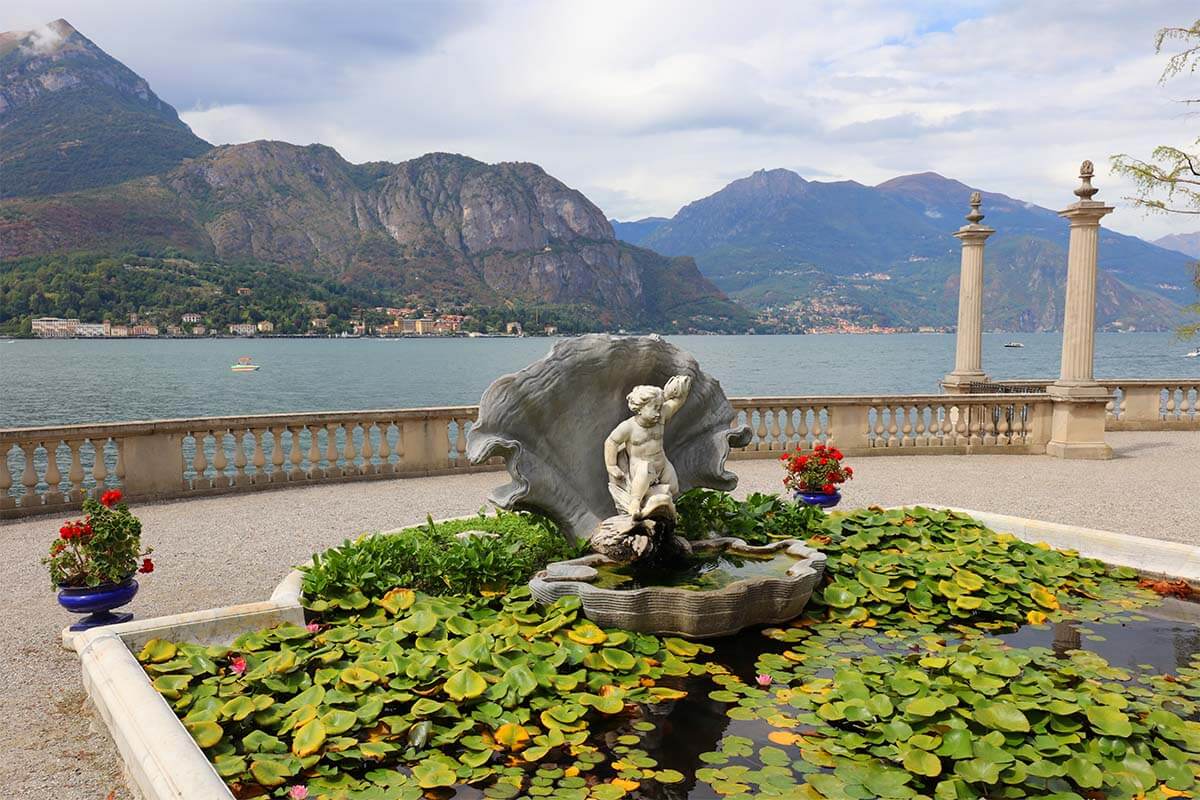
[{"x": 675, "y": 394}]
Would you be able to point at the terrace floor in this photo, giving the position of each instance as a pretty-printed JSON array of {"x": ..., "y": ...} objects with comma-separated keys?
[{"x": 223, "y": 550}]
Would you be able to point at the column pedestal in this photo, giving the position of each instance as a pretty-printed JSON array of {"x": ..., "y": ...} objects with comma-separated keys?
[{"x": 1077, "y": 422}]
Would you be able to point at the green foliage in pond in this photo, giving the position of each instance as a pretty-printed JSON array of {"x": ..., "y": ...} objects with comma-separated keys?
[
  {"x": 431, "y": 559},
  {"x": 759, "y": 519},
  {"x": 414, "y": 692},
  {"x": 926, "y": 569}
]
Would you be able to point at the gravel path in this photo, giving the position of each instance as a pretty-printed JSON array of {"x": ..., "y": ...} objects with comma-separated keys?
[{"x": 217, "y": 551}]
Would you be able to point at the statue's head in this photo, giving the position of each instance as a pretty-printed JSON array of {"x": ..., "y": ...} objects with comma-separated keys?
[{"x": 646, "y": 404}]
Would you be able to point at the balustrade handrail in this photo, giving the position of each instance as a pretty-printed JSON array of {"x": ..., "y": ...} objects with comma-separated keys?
[{"x": 187, "y": 424}]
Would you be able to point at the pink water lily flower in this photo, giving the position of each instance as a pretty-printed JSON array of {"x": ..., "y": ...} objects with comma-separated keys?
[
  {"x": 313, "y": 627},
  {"x": 298, "y": 793},
  {"x": 764, "y": 680},
  {"x": 238, "y": 665}
]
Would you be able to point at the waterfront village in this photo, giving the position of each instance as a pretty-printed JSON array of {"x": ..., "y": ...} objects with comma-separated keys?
[{"x": 381, "y": 321}]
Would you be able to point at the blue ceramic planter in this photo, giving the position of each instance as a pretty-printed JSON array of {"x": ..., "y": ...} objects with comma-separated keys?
[
  {"x": 98, "y": 602},
  {"x": 819, "y": 499}
]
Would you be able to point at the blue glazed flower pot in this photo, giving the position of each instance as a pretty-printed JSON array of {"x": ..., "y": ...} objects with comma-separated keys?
[
  {"x": 98, "y": 602},
  {"x": 819, "y": 499}
]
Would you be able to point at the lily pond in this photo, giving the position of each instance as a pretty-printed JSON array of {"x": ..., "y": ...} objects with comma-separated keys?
[
  {"x": 697, "y": 571},
  {"x": 938, "y": 660}
]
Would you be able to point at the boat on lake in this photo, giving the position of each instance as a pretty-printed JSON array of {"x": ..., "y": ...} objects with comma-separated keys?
[
  {"x": 1013, "y": 344},
  {"x": 1193, "y": 354},
  {"x": 244, "y": 365}
]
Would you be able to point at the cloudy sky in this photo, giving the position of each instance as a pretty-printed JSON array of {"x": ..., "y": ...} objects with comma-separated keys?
[{"x": 645, "y": 106}]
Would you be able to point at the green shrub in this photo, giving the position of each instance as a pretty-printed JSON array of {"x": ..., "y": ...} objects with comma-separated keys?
[
  {"x": 430, "y": 559},
  {"x": 758, "y": 519}
]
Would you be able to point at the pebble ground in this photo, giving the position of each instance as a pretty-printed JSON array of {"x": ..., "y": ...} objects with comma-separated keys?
[{"x": 222, "y": 550}]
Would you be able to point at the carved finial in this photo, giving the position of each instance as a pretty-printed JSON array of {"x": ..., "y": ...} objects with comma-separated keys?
[
  {"x": 976, "y": 215},
  {"x": 1086, "y": 190}
]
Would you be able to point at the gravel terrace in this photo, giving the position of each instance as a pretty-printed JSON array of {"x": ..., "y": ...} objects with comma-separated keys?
[{"x": 223, "y": 550}]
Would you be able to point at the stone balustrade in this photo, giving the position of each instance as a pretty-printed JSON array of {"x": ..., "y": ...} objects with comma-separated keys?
[
  {"x": 1140, "y": 404},
  {"x": 193, "y": 457}
]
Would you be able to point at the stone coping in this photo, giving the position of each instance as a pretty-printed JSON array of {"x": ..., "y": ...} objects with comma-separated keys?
[{"x": 162, "y": 762}]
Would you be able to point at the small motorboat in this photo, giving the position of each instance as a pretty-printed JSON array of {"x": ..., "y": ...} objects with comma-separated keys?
[
  {"x": 1193, "y": 354},
  {"x": 244, "y": 365},
  {"x": 1013, "y": 344}
]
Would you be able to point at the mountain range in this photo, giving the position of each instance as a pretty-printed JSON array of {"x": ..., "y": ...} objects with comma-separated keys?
[
  {"x": 822, "y": 252},
  {"x": 92, "y": 161},
  {"x": 442, "y": 228},
  {"x": 1186, "y": 243}
]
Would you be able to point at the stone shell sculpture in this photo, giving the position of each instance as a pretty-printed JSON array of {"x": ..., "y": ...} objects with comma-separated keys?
[{"x": 549, "y": 422}]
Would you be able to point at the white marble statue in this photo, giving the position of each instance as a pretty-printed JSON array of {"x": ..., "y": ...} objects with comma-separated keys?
[{"x": 641, "y": 479}]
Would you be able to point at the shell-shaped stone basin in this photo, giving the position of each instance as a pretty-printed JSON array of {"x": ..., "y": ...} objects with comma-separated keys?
[{"x": 689, "y": 612}]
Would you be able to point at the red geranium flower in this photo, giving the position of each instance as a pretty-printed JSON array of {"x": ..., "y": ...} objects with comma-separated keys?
[
  {"x": 147, "y": 566},
  {"x": 849, "y": 470},
  {"x": 829, "y": 488},
  {"x": 837, "y": 454},
  {"x": 110, "y": 498},
  {"x": 802, "y": 462}
]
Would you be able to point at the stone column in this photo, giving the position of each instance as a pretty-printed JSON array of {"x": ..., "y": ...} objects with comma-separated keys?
[
  {"x": 968, "y": 353},
  {"x": 1077, "y": 426}
]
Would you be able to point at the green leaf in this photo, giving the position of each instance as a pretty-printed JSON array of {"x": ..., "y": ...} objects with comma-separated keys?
[
  {"x": 338, "y": 721},
  {"x": 922, "y": 763},
  {"x": 1002, "y": 717},
  {"x": 309, "y": 738},
  {"x": 977, "y": 770},
  {"x": 238, "y": 708},
  {"x": 270, "y": 772},
  {"x": 206, "y": 734},
  {"x": 618, "y": 659},
  {"x": 465, "y": 684},
  {"x": 1084, "y": 773},
  {"x": 1109, "y": 720},
  {"x": 156, "y": 651}
]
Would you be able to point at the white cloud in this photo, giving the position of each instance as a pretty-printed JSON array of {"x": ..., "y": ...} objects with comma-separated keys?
[{"x": 647, "y": 106}]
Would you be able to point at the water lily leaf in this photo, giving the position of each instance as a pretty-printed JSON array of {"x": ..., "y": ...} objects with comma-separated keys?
[
  {"x": 587, "y": 633},
  {"x": 309, "y": 738},
  {"x": 1002, "y": 717},
  {"x": 465, "y": 684},
  {"x": 977, "y": 770},
  {"x": 397, "y": 600},
  {"x": 206, "y": 734},
  {"x": 229, "y": 766},
  {"x": 1085, "y": 773},
  {"x": 956, "y": 744},
  {"x": 156, "y": 651},
  {"x": 426, "y": 707},
  {"x": 925, "y": 706},
  {"x": 668, "y": 776},
  {"x": 263, "y": 742},
  {"x": 171, "y": 686},
  {"x": 520, "y": 678},
  {"x": 1109, "y": 721},
  {"x": 681, "y": 647},
  {"x": 432, "y": 773},
  {"x": 338, "y": 721},
  {"x": 837, "y": 596},
  {"x": 271, "y": 772},
  {"x": 238, "y": 708},
  {"x": 1044, "y": 597},
  {"x": 922, "y": 763},
  {"x": 358, "y": 677},
  {"x": 512, "y": 736},
  {"x": 419, "y": 622},
  {"x": 618, "y": 659},
  {"x": 1035, "y": 617}
]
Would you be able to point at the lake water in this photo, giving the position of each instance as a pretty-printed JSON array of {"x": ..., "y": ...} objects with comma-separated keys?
[{"x": 72, "y": 381}]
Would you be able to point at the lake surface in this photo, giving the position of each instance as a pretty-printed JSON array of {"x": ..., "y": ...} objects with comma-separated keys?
[{"x": 71, "y": 381}]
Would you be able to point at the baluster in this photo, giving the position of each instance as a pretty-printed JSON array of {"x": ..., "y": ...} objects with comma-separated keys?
[
  {"x": 314, "y": 452},
  {"x": 120, "y": 468},
  {"x": 1194, "y": 406},
  {"x": 789, "y": 428},
  {"x": 99, "y": 468},
  {"x": 893, "y": 428},
  {"x": 29, "y": 477},
  {"x": 200, "y": 462},
  {"x": 907, "y": 429},
  {"x": 776, "y": 430},
  {"x": 1171, "y": 408},
  {"x": 385, "y": 450},
  {"x": 988, "y": 422},
  {"x": 331, "y": 453},
  {"x": 277, "y": 475},
  {"x": 295, "y": 455},
  {"x": 920, "y": 431},
  {"x": 75, "y": 475},
  {"x": 348, "y": 451},
  {"x": 53, "y": 476},
  {"x": 962, "y": 427},
  {"x": 761, "y": 442},
  {"x": 6, "y": 499},
  {"x": 240, "y": 477},
  {"x": 1002, "y": 425},
  {"x": 819, "y": 433},
  {"x": 221, "y": 479},
  {"x": 367, "y": 451},
  {"x": 260, "y": 456},
  {"x": 948, "y": 418}
]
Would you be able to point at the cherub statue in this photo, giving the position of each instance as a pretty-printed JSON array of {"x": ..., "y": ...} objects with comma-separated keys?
[{"x": 641, "y": 479}]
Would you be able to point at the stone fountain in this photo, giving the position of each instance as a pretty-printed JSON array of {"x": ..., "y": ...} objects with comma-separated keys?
[{"x": 575, "y": 455}]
